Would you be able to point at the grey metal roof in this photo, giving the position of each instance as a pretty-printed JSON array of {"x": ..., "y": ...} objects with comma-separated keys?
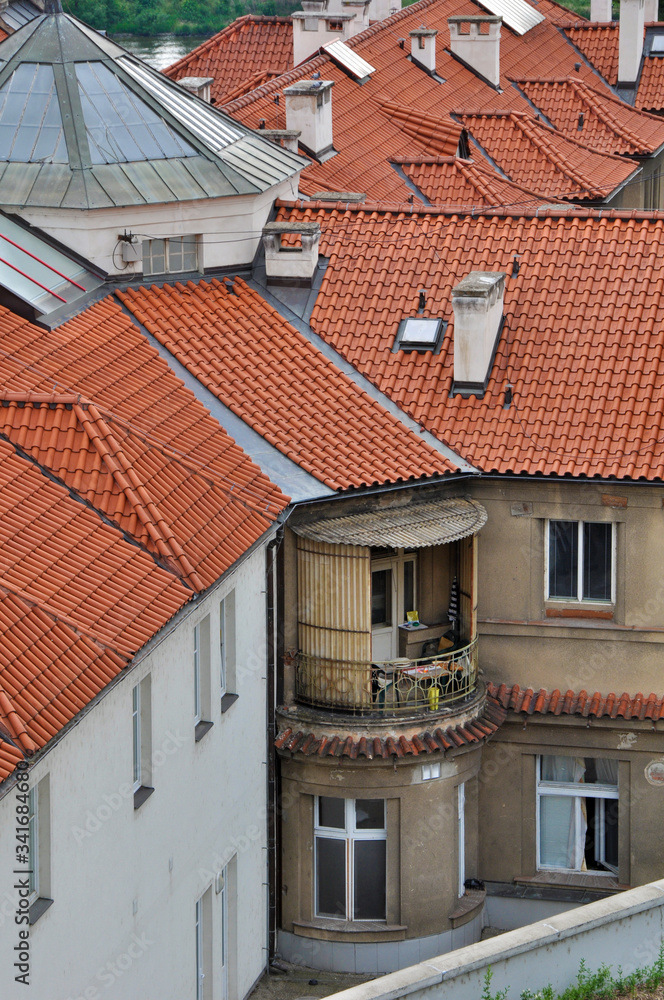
[
  {"x": 37, "y": 272},
  {"x": 86, "y": 125},
  {"x": 434, "y": 522},
  {"x": 18, "y": 13},
  {"x": 517, "y": 14}
]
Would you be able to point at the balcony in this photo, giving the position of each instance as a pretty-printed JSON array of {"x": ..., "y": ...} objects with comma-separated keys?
[{"x": 400, "y": 687}]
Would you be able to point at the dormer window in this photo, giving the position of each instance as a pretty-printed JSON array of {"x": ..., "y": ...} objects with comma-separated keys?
[
  {"x": 420, "y": 333},
  {"x": 657, "y": 45}
]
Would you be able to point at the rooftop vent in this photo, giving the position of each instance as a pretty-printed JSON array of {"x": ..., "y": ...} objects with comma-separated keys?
[
  {"x": 423, "y": 48},
  {"x": 309, "y": 111},
  {"x": 199, "y": 86},
  {"x": 478, "y": 318},
  {"x": 291, "y": 264},
  {"x": 630, "y": 41},
  {"x": 600, "y": 11},
  {"x": 476, "y": 42}
]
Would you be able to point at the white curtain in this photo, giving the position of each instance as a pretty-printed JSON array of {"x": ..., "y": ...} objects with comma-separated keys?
[
  {"x": 607, "y": 771},
  {"x": 563, "y": 820}
]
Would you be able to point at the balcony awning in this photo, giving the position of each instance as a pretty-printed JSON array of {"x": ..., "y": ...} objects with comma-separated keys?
[{"x": 436, "y": 522}]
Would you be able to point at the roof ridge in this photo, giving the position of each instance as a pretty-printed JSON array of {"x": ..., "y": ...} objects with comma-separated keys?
[
  {"x": 545, "y": 211},
  {"x": 45, "y": 609},
  {"x": 531, "y": 128},
  {"x": 583, "y": 90},
  {"x": 542, "y": 702}
]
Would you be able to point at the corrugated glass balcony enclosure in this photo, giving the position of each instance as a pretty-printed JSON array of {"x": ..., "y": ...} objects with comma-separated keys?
[{"x": 387, "y": 608}]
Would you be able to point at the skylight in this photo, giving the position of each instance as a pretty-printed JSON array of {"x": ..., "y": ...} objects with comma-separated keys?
[
  {"x": 30, "y": 122},
  {"x": 657, "y": 43},
  {"x": 517, "y": 14},
  {"x": 418, "y": 333},
  {"x": 349, "y": 60}
]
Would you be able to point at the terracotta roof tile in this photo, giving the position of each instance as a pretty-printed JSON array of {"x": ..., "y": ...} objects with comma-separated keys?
[
  {"x": 464, "y": 185},
  {"x": 419, "y": 107},
  {"x": 476, "y": 731},
  {"x": 650, "y": 95},
  {"x": 529, "y": 702},
  {"x": 241, "y": 56},
  {"x": 282, "y": 385},
  {"x": 599, "y": 44},
  {"x": 581, "y": 346},
  {"x": 597, "y": 118}
]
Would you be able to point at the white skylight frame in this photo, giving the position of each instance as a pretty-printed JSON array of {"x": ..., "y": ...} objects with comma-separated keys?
[
  {"x": 420, "y": 333},
  {"x": 349, "y": 60},
  {"x": 516, "y": 14}
]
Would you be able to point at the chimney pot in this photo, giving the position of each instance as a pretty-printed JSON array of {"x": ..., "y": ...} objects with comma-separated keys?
[
  {"x": 423, "y": 48},
  {"x": 478, "y": 313},
  {"x": 478, "y": 49},
  {"x": 309, "y": 111},
  {"x": 294, "y": 266}
]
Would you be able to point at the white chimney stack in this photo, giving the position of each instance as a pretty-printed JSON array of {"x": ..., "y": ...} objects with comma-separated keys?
[
  {"x": 630, "y": 40},
  {"x": 476, "y": 42},
  {"x": 600, "y": 11},
  {"x": 423, "y": 48},
  {"x": 651, "y": 11},
  {"x": 380, "y": 9},
  {"x": 291, "y": 265},
  {"x": 478, "y": 312},
  {"x": 309, "y": 111},
  {"x": 321, "y": 22}
]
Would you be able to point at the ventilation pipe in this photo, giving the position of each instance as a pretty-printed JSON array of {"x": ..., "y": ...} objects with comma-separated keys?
[
  {"x": 478, "y": 314},
  {"x": 423, "y": 48},
  {"x": 476, "y": 42},
  {"x": 600, "y": 11},
  {"x": 291, "y": 265},
  {"x": 309, "y": 111},
  {"x": 630, "y": 41}
]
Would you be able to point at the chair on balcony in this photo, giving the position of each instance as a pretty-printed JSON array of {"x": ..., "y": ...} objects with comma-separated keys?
[{"x": 383, "y": 686}]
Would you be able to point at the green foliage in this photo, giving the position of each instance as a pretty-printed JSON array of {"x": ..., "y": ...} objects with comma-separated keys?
[
  {"x": 181, "y": 17},
  {"x": 600, "y": 985},
  {"x": 486, "y": 989}
]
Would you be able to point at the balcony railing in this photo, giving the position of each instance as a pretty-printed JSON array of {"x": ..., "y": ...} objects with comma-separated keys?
[{"x": 388, "y": 687}]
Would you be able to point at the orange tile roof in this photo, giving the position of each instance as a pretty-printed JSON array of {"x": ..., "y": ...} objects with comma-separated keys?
[
  {"x": 279, "y": 383},
  {"x": 77, "y": 601},
  {"x": 607, "y": 123},
  {"x": 650, "y": 95},
  {"x": 582, "y": 344},
  {"x": 367, "y": 140},
  {"x": 540, "y": 158},
  {"x": 464, "y": 185},
  {"x": 624, "y": 706},
  {"x": 439, "y": 740},
  {"x": 3, "y": 35},
  {"x": 241, "y": 56},
  {"x": 598, "y": 42}
]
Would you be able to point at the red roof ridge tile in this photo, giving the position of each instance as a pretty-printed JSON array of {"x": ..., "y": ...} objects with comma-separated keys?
[
  {"x": 15, "y": 726},
  {"x": 527, "y": 701}
]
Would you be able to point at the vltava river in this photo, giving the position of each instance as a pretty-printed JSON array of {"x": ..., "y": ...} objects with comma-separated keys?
[{"x": 159, "y": 51}]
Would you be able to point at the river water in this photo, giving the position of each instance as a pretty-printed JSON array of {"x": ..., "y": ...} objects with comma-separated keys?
[{"x": 159, "y": 51}]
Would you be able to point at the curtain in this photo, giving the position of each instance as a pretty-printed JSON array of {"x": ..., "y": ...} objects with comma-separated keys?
[{"x": 563, "y": 819}]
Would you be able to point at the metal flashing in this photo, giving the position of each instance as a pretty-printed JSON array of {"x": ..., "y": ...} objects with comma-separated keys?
[
  {"x": 349, "y": 60},
  {"x": 516, "y": 14}
]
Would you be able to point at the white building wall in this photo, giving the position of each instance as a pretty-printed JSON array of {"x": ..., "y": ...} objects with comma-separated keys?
[
  {"x": 208, "y": 806},
  {"x": 229, "y": 229}
]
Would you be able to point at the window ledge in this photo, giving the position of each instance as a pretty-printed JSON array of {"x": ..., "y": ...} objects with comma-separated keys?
[
  {"x": 574, "y": 880},
  {"x": 467, "y": 907},
  {"x": 580, "y": 611},
  {"x": 328, "y": 929},
  {"x": 201, "y": 729},
  {"x": 141, "y": 794},
  {"x": 227, "y": 700},
  {"x": 38, "y": 908}
]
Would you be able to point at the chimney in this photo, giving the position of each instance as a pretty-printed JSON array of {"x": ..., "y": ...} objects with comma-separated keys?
[
  {"x": 316, "y": 26},
  {"x": 423, "y": 48},
  {"x": 478, "y": 318},
  {"x": 600, "y": 10},
  {"x": 651, "y": 11},
  {"x": 309, "y": 111},
  {"x": 630, "y": 40},
  {"x": 294, "y": 266},
  {"x": 476, "y": 42},
  {"x": 199, "y": 86},
  {"x": 380, "y": 9},
  {"x": 286, "y": 138},
  {"x": 360, "y": 11}
]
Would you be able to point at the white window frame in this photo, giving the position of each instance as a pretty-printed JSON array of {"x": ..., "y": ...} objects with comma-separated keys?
[
  {"x": 578, "y": 790},
  {"x": 461, "y": 837},
  {"x": 33, "y": 841},
  {"x": 579, "y": 599},
  {"x": 388, "y": 632},
  {"x": 169, "y": 243},
  {"x": 136, "y": 734},
  {"x": 349, "y": 835},
  {"x": 197, "y": 674},
  {"x": 431, "y": 771}
]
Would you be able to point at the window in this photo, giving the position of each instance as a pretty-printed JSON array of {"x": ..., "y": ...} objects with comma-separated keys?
[
  {"x": 202, "y": 701},
  {"x": 227, "y": 651},
  {"x": 430, "y": 771},
  {"x": 141, "y": 718},
  {"x": 335, "y": 25},
  {"x": 350, "y": 850},
  {"x": 179, "y": 253},
  {"x": 393, "y": 595},
  {"x": 461, "y": 836},
  {"x": 577, "y": 814},
  {"x": 581, "y": 561},
  {"x": 417, "y": 333},
  {"x": 39, "y": 840}
]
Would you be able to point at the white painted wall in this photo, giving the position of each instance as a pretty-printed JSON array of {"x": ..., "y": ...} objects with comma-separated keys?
[
  {"x": 229, "y": 229},
  {"x": 208, "y": 804}
]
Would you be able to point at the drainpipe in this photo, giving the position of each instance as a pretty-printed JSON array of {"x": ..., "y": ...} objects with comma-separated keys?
[{"x": 273, "y": 570}]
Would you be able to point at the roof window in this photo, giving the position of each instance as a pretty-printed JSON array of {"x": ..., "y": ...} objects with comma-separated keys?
[
  {"x": 657, "y": 44},
  {"x": 418, "y": 333}
]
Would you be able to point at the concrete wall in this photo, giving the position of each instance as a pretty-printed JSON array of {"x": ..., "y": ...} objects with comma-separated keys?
[
  {"x": 125, "y": 881},
  {"x": 229, "y": 229},
  {"x": 625, "y": 930}
]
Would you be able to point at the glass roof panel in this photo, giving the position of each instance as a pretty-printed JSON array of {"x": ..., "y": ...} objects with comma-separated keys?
[
  {"x": 121, "y": 127},
  {"x": 30, "y": 121}
]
